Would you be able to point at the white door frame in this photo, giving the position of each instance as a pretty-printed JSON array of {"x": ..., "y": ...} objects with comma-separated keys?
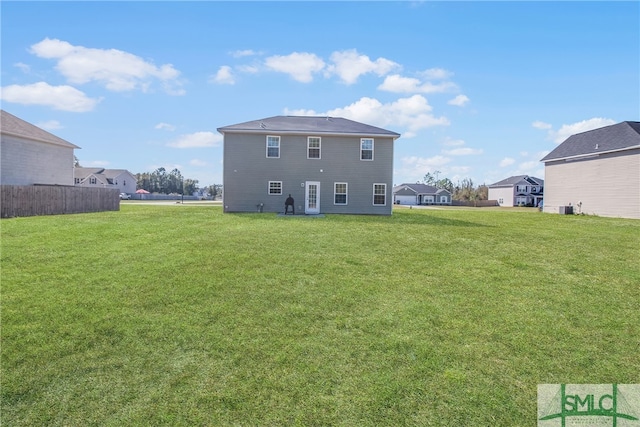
[{"x": 312, "y": 197}]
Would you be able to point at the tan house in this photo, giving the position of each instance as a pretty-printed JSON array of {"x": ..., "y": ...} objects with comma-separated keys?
[
  {"x": 596, "y": 172},
  {"x": 33, "y": 156},
  {"x": 121, "y": 179}
]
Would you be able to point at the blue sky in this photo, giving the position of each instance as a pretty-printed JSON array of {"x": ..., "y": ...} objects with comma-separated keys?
[{"x": 479, "y": 90}]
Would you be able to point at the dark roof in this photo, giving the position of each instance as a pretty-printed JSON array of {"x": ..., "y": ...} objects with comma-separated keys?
[
  {"x": 12, "y": 125},
  {"x": 516, "y": 179},
  {"x": 308, "y": 124},
  {"x": 618, "y": 137},
  {"x": 80, "y": 172}
]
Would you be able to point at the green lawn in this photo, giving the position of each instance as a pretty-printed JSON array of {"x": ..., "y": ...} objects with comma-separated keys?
[{"x": 185, "y": 316}]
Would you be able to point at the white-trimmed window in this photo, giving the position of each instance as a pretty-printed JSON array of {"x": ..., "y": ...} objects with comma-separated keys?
[
  {"x": 275, "y": 188},
  {"x": 339, "y": 193},
  {"x": 273, "y": 147},
  {"x": 93, "y": 180},
  {"x": 366, "y": 149},
  {"x": 313, "y": 147},
  {"x": 379, "y": 194}
]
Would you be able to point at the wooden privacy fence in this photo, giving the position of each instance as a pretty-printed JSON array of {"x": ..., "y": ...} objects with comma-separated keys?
[{"x": 34, "y": 200}]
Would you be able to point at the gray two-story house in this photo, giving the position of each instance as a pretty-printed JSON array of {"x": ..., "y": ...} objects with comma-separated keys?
[{"x": 326, "y": 164}]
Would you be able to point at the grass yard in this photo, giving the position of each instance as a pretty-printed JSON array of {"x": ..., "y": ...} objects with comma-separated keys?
[{"x": 185, "y": 316}]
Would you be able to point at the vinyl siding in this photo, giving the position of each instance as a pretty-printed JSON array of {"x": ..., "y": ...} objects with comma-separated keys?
[
  {"x": 26, "y": 162},
  {"x": 247, "y": 172},
  {"x": 608, "y": 185},
  {"x": 504, "y": 193}
]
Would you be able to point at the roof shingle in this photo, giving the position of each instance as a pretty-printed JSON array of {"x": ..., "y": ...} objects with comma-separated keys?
[
  {"x": 308, "y": 124},
  {"x": 621, "y": 136},
  {"x": 12, "y": 125}
]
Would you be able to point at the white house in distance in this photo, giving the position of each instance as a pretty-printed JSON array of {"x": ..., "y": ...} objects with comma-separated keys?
[
  {"x": 420, "y": 194},
  {"x": 597, "y": 172},
  {"x": 33, "y": 156},
  {"x": 121, "y": 179},
  {"x": 518, "y": 190}
]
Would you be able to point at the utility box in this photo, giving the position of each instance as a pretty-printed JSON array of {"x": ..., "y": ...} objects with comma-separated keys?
[{"x": 566, "y": 210}]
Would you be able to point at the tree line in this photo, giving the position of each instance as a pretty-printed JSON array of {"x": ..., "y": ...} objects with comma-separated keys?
[
  {"x": 462, "y": 190},
  {"x": 163, "y": 182}
]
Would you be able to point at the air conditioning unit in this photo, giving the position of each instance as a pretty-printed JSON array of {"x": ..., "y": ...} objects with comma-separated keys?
[{"x": 566, "y": 210}]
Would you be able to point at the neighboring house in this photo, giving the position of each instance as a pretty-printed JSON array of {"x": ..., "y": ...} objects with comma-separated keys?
[
  {"x": 420, "y": 194},
  {"x": 597, "y": 172},
  {"x": 32, "y": 156},
  {"x": 121, "y": 179},
  {"x": 327, "y": 164},
  {"x": 519, "y": 190}
]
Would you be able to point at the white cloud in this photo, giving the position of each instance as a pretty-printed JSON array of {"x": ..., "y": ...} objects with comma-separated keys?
[
  {"x": 198, "y": 162},
  {"x": 436, "y": 74},
  {"x": 412, "y": 113},
  {"x": 165, "y": 126},
  {"x": 586, "y": 125},
  {"x": 465, "y": 151},
  {"x": 417, "y": 167},
  {"x": 460, "y": 101},
  {"x": 300, "y": 66},
  {"x": 50, "y": 125},
  {"x": 349, "y": 65},
  {"x": 249, "y": 69},
  {"x": 243, "y": 53},
  {"x": 452, "y": 142},
  {"x": 398, "y": 84},
  {"x": 507, "y": 161},
  {"x": 459, "y": 170},
  {"x": 541, "y": 125},
  {"x": 529, "y": 164},
  {"x": 197, "y": 140},
  {"x": 23, "y": 67},
  {"x": 64, "y": 98},
  {"x": 117, "y": 70},
  {"x": 224, "y": 76}
]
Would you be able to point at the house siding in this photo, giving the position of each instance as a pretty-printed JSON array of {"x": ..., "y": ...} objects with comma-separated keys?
[
  {"x": 124, "y": 181},
  {"x": 506, "y": 194},
  {"x": 28, "y": 162},
  {"x": 247, "y": 172},
  {"x": 608, "y": 185}
]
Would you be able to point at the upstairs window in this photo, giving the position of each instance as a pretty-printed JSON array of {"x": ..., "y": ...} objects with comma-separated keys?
[
  {"x": 313, "y": 147},
  {"x": 366, "y": 149},
  {"x": 273, "y": 147},
  {"x": 93, "y": 181}
]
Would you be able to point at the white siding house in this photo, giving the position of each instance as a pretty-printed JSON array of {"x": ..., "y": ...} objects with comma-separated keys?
[
  {"x": 519, "y": 190},
  {"x": 121, "y": 179},
  {"x": 32, "y": 156},
  {"x": 596, "y": 172}
]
